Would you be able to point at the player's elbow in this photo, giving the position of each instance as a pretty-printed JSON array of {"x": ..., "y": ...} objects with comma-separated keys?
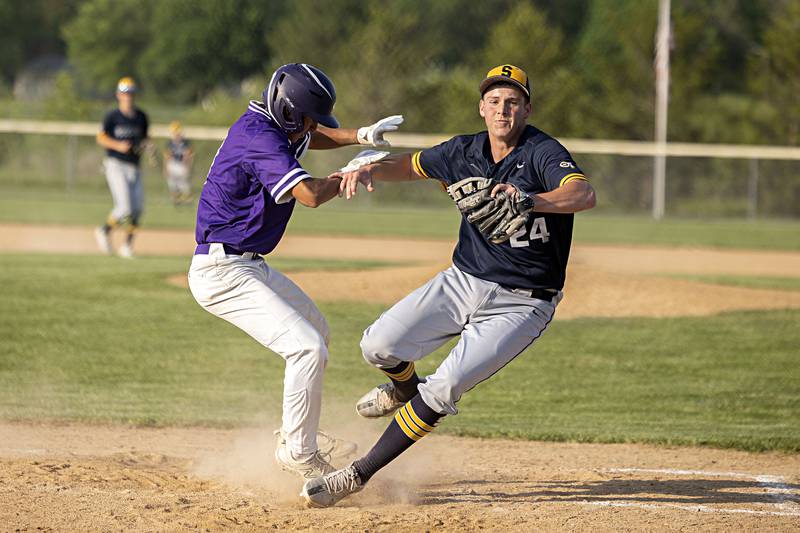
[
  {"x": 587, "y": 198},
  {"x": 591, "y": 199},
  {"x": 310, "y": 201}
]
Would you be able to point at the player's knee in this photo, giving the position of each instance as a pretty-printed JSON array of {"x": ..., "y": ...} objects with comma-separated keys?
[
  {"x": 376, "y": 347},
  {"x": 312, "y": 351}
]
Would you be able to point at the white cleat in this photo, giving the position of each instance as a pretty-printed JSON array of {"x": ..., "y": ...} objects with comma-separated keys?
[
  {"x": 103, "y": 240},
  {"x": 338, "y": 448},
  {"x": 327, "y": 490},
  {"x": 379, "y": 402},
  {"x": 125, "y": 251},
  {"x": 326, "y": 443},
  {"x": 315, "y": 465}
]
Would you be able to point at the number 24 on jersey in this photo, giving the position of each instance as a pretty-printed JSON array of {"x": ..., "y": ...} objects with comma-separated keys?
[{"x": 538, "y": 231}]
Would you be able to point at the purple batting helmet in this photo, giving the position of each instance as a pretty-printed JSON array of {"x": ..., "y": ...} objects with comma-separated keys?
[{"x": 297, "y": 90}]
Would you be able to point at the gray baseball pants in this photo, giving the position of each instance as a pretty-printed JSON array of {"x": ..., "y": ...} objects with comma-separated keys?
[
  {"x": 125, "y": 183},
  {"x": 495, "y": 324}
]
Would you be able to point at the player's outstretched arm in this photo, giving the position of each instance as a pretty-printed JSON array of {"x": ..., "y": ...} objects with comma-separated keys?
[
  {"x": 577, "y": 195},
  {"x": 392, "y": 168},
  {"x": 326, "y": 138},
  {"x": 314, "y": 192}
]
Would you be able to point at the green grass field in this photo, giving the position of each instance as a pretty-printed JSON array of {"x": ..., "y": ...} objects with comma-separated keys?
[
  {"x": 363, "y": 218},
  {"x": 102, "y": 340}
]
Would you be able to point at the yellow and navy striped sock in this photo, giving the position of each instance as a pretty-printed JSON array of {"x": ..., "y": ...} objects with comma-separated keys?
[
  {"x": 405, "y": 379},
  {"x": 412, "y": 422}
]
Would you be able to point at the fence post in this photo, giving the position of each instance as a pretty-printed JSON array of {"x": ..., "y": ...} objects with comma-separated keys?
[
  {"x": 752, "y": 190},
  {"x": 72, "y": 161}
]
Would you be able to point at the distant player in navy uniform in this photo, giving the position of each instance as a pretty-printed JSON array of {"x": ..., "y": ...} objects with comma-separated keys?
[
  {"x": 123, "y": 135},
  {"x": 178, "y": 159},
  {"x": 498, "y": 298},
  {"x": 246, "y": 202}
]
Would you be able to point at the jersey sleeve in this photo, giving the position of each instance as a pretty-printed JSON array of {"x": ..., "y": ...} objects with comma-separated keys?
[
  {"x": 275, "y": 166},
  {"x": 434, "y": 163},
  {"x": 108, "y": 124},
  {"x": 555, "y": 165},
  {"x": 145, "y": 126}
]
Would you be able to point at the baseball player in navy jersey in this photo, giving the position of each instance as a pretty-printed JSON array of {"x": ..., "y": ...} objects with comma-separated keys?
[
  {"x": 178, "y": 158},
  {"x": 502, "y": 289},
  {"x": 246, "y": 202},
  {"x": 123, "y": 136}
]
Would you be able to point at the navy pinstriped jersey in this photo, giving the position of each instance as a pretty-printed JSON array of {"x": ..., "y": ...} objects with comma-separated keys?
[
  {"x": 120, "y": 127},
  {"x": 536, "y": 256}
]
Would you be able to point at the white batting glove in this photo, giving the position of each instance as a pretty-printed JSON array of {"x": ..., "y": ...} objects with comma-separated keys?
[
  {"x": 374, "y": 134},
  {"x": 365, "y": 157}
]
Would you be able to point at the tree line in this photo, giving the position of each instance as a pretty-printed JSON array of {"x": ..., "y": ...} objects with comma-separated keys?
[{"x": 735, "y": 63}]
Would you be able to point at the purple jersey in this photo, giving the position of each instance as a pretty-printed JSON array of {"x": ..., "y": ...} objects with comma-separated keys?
[{"x": 246, "y": 201}]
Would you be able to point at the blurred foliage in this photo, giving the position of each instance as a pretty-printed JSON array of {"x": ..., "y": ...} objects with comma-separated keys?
[{"x": 735, "y": 68}]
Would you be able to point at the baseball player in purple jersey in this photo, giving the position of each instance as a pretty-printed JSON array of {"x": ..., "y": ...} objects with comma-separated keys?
[
  {"x": 503, "y": 287},
  {"x": 246, "y": 202}
]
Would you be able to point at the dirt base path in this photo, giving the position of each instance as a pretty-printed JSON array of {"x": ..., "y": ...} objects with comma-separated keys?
[
  {"x": 84, "y": 478},
  {"x": 615, "y": 281}
]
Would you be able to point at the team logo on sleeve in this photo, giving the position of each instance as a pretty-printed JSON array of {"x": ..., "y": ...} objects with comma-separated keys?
[{"x": 567, "y": 164}]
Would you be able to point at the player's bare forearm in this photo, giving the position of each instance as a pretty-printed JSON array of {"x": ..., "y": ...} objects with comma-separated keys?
[
  {"x": 391, "y": 168},
  {"x": 104, "y": 140},
  {"x": 577, "y": 195},
  {"x": 316, "y": 191},
  {"x": 327, "y": 138}
]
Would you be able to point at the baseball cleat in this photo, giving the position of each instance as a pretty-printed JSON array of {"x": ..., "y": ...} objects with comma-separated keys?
[
  {"x": 125, "y": 251},
  {"x": 338, "y": 448},
  {"x": 314, "y": 466},
  {"x": 379, "y": 402},
  {"x": 103, "y": 240},
  {"x": 326, "y": 490},
  {"x": 327, "y": 444}
]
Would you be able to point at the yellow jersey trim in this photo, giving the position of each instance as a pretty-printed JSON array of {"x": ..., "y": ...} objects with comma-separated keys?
[
  {"x": 417, "y": 166},
  {"x": 572, "y": 177}
]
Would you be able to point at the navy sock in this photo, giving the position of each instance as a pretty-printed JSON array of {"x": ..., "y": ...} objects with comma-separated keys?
[
  {"x": 412, "y": 422},
  {"x": 405, "y": 380}
]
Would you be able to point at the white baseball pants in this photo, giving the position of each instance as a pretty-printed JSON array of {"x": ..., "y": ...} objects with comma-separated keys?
[
  {"x": 495, "y": 325},
  {"x": 125, "y": 183},
  {"x": 269, "y": 307}
]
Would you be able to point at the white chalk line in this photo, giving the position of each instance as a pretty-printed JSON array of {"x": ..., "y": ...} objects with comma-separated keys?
[
  {"x": 775, "y": 486},
  {"x": 696, "y": 508}
]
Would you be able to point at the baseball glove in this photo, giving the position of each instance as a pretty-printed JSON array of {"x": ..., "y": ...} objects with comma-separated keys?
[{"x": 497, "y": 218}]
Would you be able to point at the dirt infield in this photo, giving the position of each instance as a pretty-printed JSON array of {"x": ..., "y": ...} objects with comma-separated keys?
[
  {"x": 83, "y": 478},
  {"x": 79, "y": 478}
]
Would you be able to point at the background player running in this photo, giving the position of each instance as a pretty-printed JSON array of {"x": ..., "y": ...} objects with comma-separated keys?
[
  {"x": 244, "y": 208},
  {"x": 123, "y": 136},
  {"x": 498, "y": 298},
  {"x": 178, "y": 159}
]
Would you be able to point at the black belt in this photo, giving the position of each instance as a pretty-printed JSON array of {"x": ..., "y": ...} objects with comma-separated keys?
[
  {"x": 202, "y": 249},
  {"x": 540, "y": 294}
]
